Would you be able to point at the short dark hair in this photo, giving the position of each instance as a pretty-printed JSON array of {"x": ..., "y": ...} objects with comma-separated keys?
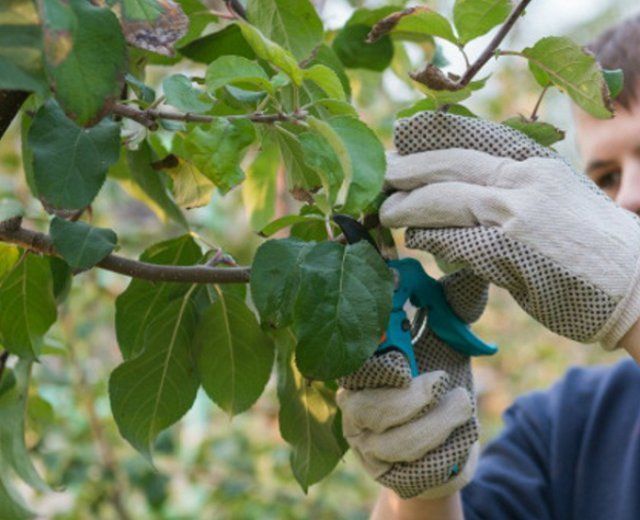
[{"x": 619, "y": 48}]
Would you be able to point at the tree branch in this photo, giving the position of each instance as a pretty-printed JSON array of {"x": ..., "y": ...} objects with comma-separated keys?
[
  {"x": 149, "y": 117},
  {"x": 494, "y": 44},
  {"x": 10, "y": 103},
  {"x": 41, "y": 243}
]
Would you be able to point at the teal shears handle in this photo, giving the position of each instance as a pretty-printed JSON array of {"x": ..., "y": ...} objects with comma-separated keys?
[{"x": 424, "y": 292}]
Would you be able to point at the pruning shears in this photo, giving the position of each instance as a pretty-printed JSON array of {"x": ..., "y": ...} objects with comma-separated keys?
[{"x": 425, "y": 293}]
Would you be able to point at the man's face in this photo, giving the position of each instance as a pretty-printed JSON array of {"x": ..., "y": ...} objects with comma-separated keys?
[{"x": 611, "y": 152}]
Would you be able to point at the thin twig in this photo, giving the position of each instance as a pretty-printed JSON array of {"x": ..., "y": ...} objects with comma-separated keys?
[
  {"x": 149, "y": 117},
  {"x": 493, "y": 45},
  {"x": 41, "y": 243},
  {"x": 534, "y": 114}
]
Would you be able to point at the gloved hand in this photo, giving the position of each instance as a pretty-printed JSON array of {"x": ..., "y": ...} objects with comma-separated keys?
[
  {"x": 486, "y": 196},
  {"x": 418, "y": 436}
]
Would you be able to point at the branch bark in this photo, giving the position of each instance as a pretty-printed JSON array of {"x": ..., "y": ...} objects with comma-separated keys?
[
  {"x": 493, "y": 44},
  {"x": 149, "y": 117},
  {"x": 41, "y": 243},
  {"x": 10, "y": 103}
]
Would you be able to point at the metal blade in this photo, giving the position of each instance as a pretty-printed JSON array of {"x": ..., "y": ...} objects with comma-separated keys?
[{"x": 353, "y": 230}]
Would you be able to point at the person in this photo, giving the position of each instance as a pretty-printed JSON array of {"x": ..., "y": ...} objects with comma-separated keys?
[{"x": 515, "y": 214}]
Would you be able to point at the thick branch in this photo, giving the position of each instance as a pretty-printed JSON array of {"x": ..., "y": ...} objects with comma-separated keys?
[
  {"x": 10, "y": 103},
  {"x": 149, "y": 117},
  {"x": 494, "y": 44},
  {"x": 41, "y": 243}
]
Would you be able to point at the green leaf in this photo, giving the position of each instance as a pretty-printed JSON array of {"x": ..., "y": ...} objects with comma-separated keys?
[
  {"x": 142, "y": 301},
  {"x": 429, "y": 104},
  {"x": 217, "y": 149},
  {"x": 342, "y": 308},
  {"x": 234, "y": 356},
  {"x": 154, "y": 25},
  {"x": 327, "y": 80},
  {"x": 299, "y": 174},
  {"x": 309, "y": 419},
  {"x": 149, "y": 181},
  {"x": 180, "y": 93},
  {"x": 21, "y": 64},
  {"x": 9, "y": 255},
  {"x": 259, "y": 190},
  {"x": 238, "y": 71},
  {"x": 81, "y": 245},
  {"x": 286, "y": 221},
  {"x": 474, "y": 18},
  {"x": 335, "y": 107},
  {"x": 144, "y": 92},
  {"x": 355, "y": 53},
  {"x": 324, "y": 55},
  {"x": 156, "y": 388},
  {"x": 320, "y": 155},
  {"x": 85, "y": 57},
  {"x": 559, "y": 61},
  {"x": 70, "y": 163},
  {"x": 294, "y": 24},
  {"x": 449, "y": 97},
  {"x": 27, "y": 307},
  {"x": 190, "y": 188},
  {"x": 364, "y": 162},
  {"x": 62, "y": 278},
  {"x": 271, "y": 52},
  {"x": 13, "y": 450},
  {"x": 543, "y": 133},
  {"x": 11, "y": 504},
  {"x": 615, "y": 81},
  {"x": 213, "y": 46},
  {"x": 424, "y": 23},
  {"x": 275, "y": 278}
]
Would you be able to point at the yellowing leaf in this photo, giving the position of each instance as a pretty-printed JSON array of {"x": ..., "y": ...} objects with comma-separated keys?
[{"x": 559, "y": 61}]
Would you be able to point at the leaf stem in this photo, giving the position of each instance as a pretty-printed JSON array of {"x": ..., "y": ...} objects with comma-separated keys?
[{"x": 534, "y": 114}]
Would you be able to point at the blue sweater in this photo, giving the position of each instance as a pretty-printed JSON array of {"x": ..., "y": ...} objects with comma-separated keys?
[{"x": 572, "y": 452}]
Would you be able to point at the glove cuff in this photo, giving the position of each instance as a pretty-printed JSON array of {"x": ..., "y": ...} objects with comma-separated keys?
[
  {"x": 460, "y": 480},
  {"x": 624, "y": 317}
]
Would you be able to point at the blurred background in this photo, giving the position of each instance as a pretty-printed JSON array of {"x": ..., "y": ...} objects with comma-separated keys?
[{"x": 209, "y": 466}]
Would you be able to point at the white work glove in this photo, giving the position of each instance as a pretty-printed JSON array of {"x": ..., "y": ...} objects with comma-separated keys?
[
  {"x": 485, "y": 196},
  {"x": 418, "y": 436}
]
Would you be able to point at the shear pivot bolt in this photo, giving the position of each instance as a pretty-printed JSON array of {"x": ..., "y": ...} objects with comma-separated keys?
[{"x": 406, "y": 325}]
